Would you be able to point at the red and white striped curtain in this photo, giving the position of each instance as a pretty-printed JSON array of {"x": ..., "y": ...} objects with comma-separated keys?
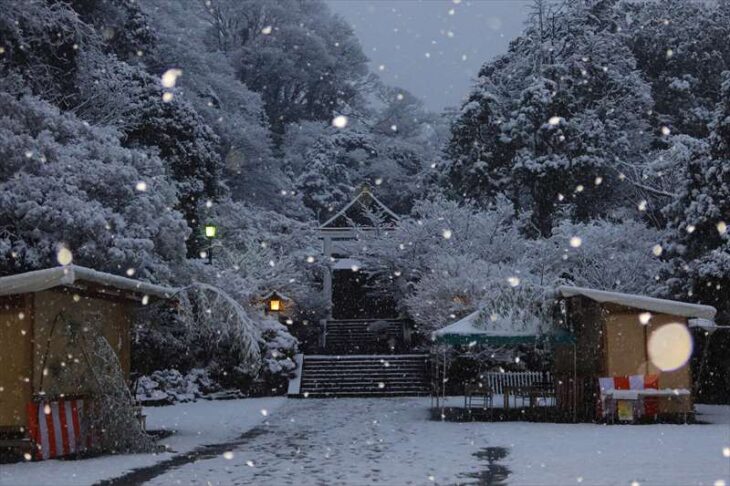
[
  {"x": 58, "y": 428},
  {"x": 633, "y": 382}
]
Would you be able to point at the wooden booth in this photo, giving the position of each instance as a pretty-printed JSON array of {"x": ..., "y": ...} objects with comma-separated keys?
[
  {"x": 636, "y": 347},
  {"x": 38, "y": 356}
]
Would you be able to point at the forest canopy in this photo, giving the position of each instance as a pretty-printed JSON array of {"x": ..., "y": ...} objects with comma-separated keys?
[{"x": 595, "y": 151}]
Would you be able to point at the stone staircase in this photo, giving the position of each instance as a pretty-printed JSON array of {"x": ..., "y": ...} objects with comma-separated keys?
[
  {"x": 361, "y": 375},
  {"x": 356, "y": 336}
]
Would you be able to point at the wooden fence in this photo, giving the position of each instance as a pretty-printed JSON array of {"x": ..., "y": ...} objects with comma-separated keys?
[
  {"x": 497, "y": 381},
  {"x": 575, "y": 397}
]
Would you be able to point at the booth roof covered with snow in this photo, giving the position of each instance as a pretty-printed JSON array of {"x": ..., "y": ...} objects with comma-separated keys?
[
  {"x": 39, "y": 354},
  {"x": 620, "y": 335}
]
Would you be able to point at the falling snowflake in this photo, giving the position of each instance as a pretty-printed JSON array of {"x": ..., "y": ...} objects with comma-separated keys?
[
  {"x": 228, "y": 455},
  {"x": 310, "y": 259},
  {"x": 130, "y": 272},
  {"x": 513, "y": 281},
  {"x": 642, "y": 205},
  {"x": 446, "y": 234},
  {"x": 645, "y": 317},
  {"x": 576, "y": 241},
  {"x": 666, "y": 131},
  {"x": 169, "y": 78},
  {"x": 340, "y": 121},
  {"x": 670, "y": 346},
  {"x": 264, "y": 412},
  {"x": 554, "y": 120},
  {"x": 657, "y": 250},
  {"x": 721, "y": 227},
  {"x": 64, "y": 256},
  {"x": 266, "y": 30},
  {"x": 167, "y": 97}
]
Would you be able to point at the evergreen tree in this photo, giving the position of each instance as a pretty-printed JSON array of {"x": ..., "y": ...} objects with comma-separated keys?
[
  {"x": 556, "y": 121},
  {"x": 699, "y": 218}
]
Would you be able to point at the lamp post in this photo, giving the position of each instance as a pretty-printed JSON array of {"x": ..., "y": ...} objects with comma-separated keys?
[{"x": 210, "y": 232}]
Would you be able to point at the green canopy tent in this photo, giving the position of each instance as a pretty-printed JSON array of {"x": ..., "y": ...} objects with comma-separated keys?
[{"x": 467, "y": 332}]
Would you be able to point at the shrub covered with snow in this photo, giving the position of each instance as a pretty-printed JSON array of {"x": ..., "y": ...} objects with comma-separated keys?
[
  {"x": 170, "y": 386},
  {"x": 279, "y": 350}
]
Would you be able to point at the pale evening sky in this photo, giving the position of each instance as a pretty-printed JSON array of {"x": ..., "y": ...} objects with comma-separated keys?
[{"x": 433, "y": 48}]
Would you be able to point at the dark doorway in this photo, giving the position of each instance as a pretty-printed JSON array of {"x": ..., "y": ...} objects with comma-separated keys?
[{"x": 354, "y": 298}]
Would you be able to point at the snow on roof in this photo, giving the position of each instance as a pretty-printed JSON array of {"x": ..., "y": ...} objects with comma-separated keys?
[
  {"x": 364, "y": 193},
  {"x": 467, "y": 326},
  {"x": 39, "y": 280},
  {"x": 275, "y": 293},
  {"x": 663, "y": 306},
  {"x": 705, "y": 324},
  {"x": 347, "y": 264}
]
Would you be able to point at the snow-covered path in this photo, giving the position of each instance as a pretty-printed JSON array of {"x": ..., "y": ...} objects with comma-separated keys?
[{"x": 391, "y": 441}]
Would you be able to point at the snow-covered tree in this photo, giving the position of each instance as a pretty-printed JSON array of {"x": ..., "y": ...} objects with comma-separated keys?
[
  {"x": 305, "y": 61},
  {"x": 681, "y": 48},
  {"x": 601, "y": 254},
  {"x": 64, "y": 182},
  {"x": 698, "y": 219},
  {"x": 51, "y": 52},
  {"x": 556, "y": 121},
  {"x": 439, "y": 260}
]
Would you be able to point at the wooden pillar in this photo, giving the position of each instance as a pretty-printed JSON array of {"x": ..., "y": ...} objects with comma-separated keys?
[{"x": 327, "y": 278}]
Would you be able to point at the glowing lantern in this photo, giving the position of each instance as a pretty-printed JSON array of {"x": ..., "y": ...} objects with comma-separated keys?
[
  {"x": 210, "y": 231},
  {"x": 274, "y": 305}
]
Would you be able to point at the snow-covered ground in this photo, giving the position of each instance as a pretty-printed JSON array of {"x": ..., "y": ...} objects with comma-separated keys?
[
  {"x": 391, "y": 441},
  {"x": 195, "y": 424}
]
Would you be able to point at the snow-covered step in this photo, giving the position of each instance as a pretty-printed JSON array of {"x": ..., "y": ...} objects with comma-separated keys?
[
  {"x": 358, "y": 336},
  {"x": 363, "y": 375},
  {"x": 343, "y": 394}
]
